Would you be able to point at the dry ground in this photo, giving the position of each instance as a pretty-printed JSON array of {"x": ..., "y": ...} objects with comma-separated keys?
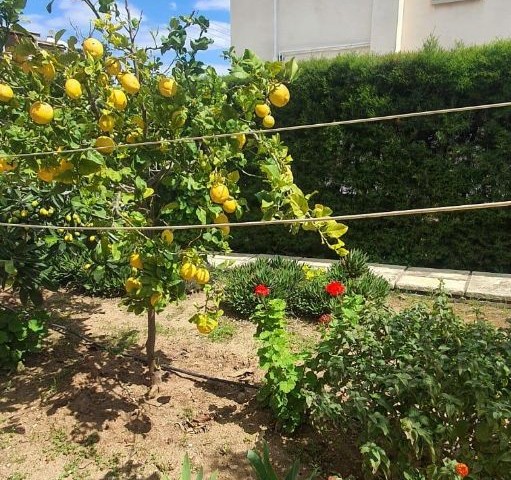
[{"x": 79, "y": 413}]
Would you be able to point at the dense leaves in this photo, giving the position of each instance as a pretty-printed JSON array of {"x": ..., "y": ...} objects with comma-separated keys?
[{"x": 433, "y": 161}]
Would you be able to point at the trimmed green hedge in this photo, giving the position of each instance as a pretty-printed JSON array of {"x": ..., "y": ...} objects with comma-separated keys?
[{"x": 424, "y": 162}]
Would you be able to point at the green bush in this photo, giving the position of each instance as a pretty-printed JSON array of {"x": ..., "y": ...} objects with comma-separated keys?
[
  {"x": 432, "y": 161},
  {"x": 419, "y": 390},
  {"x": 21, "y": 333},
  {"x": 301, "y": 287}
]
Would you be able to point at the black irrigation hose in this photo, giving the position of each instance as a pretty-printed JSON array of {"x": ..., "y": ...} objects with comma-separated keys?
[{"x": 168, "y": 368}]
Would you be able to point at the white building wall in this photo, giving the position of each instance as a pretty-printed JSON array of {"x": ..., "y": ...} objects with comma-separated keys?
[
  {"x": 469, "y": 21},
  {"x": 318, "y": 28}
]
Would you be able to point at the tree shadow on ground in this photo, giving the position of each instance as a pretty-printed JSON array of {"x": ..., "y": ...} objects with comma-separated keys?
[
  {"x": 94, "y": 385},
  {"x": 328, "y": 454}
]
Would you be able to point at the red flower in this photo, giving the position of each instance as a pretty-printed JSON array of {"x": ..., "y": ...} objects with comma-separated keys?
[
  {"x": 335, "y": 288},
  {"x": 462, "y": 470},
  {"x": 325, "y": 319},
  {"x": 261, "y": 290}
]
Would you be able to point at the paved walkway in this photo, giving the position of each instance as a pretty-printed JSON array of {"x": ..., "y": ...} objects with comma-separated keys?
[{"x": 460, "y": 283}]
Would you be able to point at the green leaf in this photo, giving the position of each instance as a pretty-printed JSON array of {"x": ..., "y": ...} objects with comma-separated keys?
[
  {"x": 186, "y": 471},
  {"x": 49, "y": 6}
]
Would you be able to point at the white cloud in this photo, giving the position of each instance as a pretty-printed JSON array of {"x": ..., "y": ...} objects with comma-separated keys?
[
  {"x": 213, "y": 5},
  {"x": 66, "y": 14}
]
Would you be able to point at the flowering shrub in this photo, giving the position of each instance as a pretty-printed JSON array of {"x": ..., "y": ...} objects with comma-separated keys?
[
  {"x": 335, "y": 288},
  {"x": 301, "y": 286},
  {"x": 426, "y": 395}
]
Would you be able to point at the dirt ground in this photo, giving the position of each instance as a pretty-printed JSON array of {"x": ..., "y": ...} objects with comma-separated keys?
[{"x": 76, "y": 412}]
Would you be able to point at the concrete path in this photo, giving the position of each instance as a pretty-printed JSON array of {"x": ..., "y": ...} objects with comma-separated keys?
[{"x": 460, "y": 283}]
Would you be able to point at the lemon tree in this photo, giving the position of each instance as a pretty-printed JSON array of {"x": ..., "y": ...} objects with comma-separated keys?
[{"x": 117, "y": 119}]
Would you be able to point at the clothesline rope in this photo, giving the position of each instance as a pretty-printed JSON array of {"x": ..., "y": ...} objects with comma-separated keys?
[
  {"x": 267, "y": 131},
  {"x": 361, "y": 216}
]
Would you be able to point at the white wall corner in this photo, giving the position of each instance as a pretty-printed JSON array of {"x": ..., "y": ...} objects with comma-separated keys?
[{"x": 387, "y": 25}]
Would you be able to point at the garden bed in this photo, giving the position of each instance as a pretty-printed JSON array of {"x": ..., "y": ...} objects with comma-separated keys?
[{"x": 80, "y": 413}]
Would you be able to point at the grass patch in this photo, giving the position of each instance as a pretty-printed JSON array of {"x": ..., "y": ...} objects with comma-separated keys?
[
  {"x": 122, "y": 341},
  {"x": 223, "y": 333}
]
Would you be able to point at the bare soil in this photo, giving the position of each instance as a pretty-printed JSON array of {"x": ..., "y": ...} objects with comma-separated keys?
[{"x": 77, "y": 412}]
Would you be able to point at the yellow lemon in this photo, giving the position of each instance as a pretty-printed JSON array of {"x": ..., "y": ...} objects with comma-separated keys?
[
  {"x": 47, "y": 70},
  {"x": 187, "y": 271},
  {"x": 118, "y": 99},
  {"x": 5, "y": 166},
  {"x": 68, "y": 237},
  {"x": 132, "y": 285},
  {"x": 167, "y": 236},
  {"x": 179, "y": 118},
  {"x": 132, "y": 137},
  {"x": 242, "y": 139},
  {"x": 230, "y": 205},
  {"x": 46, "y": 174},
  {"x": 167, "y": 87},
  {"x": 93, "y": 47},
  {"x": 106, "y": 123},
  {"x": 268, "y": 121},
  {"x": 136, "y": 261},
  {"x": 112, "y": 66},
  {"x": 219, "y": 193},
  {"x": 105, "y": 145},
  {"x": 261, "y": 110},
  {"x": 92, "y": 238},
  {"x": 202, "y": 276},
  {"x": 279, "y": 95},
  {"x": 130, "y": 83},
  {"x": 6, "y": 93},
  {"x": 206, "y": 325},
  {"x": 155, "y": 298},
  {"x": 43, "y": 212},
  {"x": 222, "y": 218},
  {"x": 138, "y": 121},
  {"x": 41, "y": 113},
  {"x": 73, "y": 88}
]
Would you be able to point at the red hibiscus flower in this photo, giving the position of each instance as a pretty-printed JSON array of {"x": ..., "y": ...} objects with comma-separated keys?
[
  {"x": 462, "y": 470},
  {"x": 335, "y": 288},
  {"x": 261, "y": 290}
]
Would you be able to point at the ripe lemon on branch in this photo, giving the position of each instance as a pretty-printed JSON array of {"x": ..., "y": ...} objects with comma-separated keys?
[
  {"x": 41, "y": 113},
  {"x": 130, "y": 83},
  {"x": 73, "y": 88},
  {"x": 118, "y": 99},
  {"x": 167, "y": 87},
  {"x": 6, "y": 93},
  {"x": 93, "y": 47},
  {"x": 279, "y": 95},
  {"x": 105, "y": 145},
  {"x": 261, "y": 110},
  {"x": 219, "y": 193}
]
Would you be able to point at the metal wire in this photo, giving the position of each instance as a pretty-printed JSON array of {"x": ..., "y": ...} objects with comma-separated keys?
[
  {"x": 267, "y": 131},
  {"x": 360, "y": 216}
]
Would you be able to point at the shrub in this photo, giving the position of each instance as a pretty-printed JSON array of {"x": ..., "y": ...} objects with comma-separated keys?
[
  {"x": 418, "y": 389},
  {"x": 429, "y": 161},
  {"x": 21, "y": 333},
  {"x": 302, "y": 287}
]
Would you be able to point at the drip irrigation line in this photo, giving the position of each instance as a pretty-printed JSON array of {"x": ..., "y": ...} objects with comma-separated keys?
[
  {"x": 267, "y": 131},
  {"x": 166, "y": 367},
  {"x": 360, "y": 216}
]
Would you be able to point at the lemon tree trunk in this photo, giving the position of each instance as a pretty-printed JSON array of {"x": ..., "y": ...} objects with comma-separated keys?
[{"x": 150, "y": 344}]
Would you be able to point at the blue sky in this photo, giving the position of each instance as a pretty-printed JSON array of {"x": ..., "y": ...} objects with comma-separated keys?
[{"x": 74, "y": 14}]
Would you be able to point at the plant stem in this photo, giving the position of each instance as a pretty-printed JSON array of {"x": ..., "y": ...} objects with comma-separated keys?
[{"x": 150, "y": 343}]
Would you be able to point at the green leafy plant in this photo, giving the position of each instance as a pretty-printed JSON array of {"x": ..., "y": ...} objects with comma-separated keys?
[
  {"x": 263, "y": 469},
  {"x": 21, "y": 333},
  {"x": 186, "y": 472},
  {"x": 283, "y": 368},
  {"x": 302, "y": 287},
  {"x": 420, "y": 390}
]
